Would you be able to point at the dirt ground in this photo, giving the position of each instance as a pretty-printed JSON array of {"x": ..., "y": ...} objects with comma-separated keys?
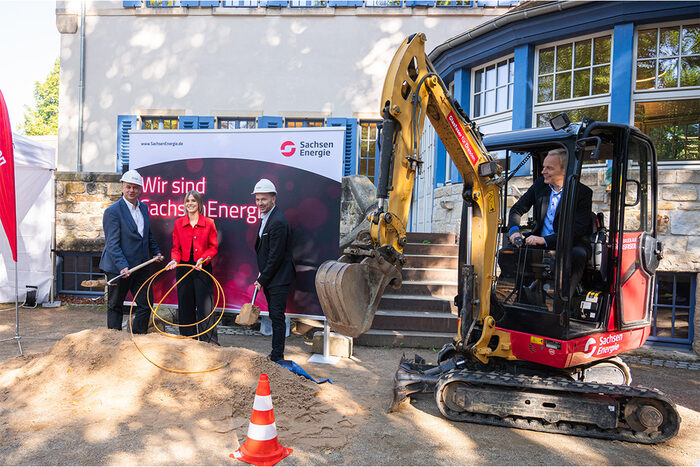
[{"x": 85, "y": 395}]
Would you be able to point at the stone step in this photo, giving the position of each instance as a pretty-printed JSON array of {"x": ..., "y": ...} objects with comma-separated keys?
[
  {"x": 429, "y": 274},
  {"x": 429, "y": 261},
  {"x": 423, "y": 321},
  {"x": 436, "y": 238},
  {"x": 430, "y": 249},
  {"x": 418, "y": 339},
  {"x": 445, "y": 290},
  {"x": 426, "y": 303}
]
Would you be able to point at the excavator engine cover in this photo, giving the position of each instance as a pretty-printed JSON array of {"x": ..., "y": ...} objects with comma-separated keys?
[{"x": 350, "y": 289}]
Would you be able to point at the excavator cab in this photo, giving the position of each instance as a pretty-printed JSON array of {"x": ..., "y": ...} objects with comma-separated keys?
[{"x": 533, "y": 291}]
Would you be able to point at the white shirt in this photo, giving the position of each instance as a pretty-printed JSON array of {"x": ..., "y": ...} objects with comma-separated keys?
[
  {"x": 264, "y": 218},
  {"x": 136, "y": 214}
]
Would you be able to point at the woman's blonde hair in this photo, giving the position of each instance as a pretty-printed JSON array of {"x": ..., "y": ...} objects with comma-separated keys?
[{"x": 197, "y": 197}]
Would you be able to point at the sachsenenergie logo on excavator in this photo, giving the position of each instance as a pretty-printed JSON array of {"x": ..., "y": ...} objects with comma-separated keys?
[{"x": 473, "y": 157}]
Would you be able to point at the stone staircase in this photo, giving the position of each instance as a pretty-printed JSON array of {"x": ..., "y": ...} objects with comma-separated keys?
[{"x": 420, "y": 313}]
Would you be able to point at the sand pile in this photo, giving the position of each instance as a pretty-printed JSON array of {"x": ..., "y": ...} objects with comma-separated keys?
[{"x": 92, "y": 398}]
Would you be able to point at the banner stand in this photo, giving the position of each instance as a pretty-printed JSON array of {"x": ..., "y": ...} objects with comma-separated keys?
[
  {"x": 326, "y": 357},
  {"x": 17, "y": 336}
]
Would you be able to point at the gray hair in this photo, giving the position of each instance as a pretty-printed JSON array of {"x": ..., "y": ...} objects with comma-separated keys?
[{"x": 561, "y": 152}]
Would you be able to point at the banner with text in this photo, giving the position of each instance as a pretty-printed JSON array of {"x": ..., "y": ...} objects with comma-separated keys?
[{"x": 305, "y": 164}]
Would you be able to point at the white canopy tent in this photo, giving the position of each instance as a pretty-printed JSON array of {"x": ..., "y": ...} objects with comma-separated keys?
[{"x": 34, "y": 188}]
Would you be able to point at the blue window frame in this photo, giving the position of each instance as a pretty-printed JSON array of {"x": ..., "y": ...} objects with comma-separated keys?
[
  {"x": 368, "y": 152},
  {"x": 162, "y": 3},
  {"x": 235, "y": 123},
  {"x": 674, "y": 309},
  {"x": 159, "y": 123},
  {"x": 74, "y": 268},
  {"x": 302, "y": 122}
]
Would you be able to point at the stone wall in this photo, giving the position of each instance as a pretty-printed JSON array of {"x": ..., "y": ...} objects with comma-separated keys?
[{"x": 81, "y": 198}]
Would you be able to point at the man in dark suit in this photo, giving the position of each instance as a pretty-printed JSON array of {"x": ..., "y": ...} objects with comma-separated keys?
[
  {"x": 544, "y": 196},
  {"x": 273, "y": 246},
  {"x": 128, "y": 243}
]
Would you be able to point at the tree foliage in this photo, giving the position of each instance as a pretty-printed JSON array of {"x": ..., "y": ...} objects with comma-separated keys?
[{"x": 43, "y": 118}]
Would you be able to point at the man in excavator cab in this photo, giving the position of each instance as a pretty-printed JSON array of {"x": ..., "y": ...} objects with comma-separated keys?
[
  {"x": 543, "y": 198},
  {"x": 510, "y": 364}
]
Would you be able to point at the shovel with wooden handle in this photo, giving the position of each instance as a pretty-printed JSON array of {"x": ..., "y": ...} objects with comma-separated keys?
[{"x": 249, "y": 312}]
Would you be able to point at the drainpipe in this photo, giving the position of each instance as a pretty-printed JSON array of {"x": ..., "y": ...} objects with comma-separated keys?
[{"x": 81, "y": 86}]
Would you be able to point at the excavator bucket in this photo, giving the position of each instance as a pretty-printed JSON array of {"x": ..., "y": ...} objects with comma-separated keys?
[{"x": 350, "y": 288}]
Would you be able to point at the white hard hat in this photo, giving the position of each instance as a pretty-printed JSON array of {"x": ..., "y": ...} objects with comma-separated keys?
[
  {"x": 264, "y": 186},
  {"x": 132, "y": 176}
]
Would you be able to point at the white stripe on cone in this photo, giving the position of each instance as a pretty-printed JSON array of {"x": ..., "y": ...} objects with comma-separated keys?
[
  {"x": 262, "y": 403},
  {"x": 262, "y": 432}
]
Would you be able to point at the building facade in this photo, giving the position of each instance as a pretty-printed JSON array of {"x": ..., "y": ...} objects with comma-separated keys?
[{"x": 232, "y": 64}]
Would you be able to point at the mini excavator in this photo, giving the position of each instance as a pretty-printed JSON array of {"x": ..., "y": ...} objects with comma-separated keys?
[{"x": 530, "y": 351}]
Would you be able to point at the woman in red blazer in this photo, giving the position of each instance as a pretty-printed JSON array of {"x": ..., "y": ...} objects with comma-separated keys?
[{"x": 195, "y": 242}]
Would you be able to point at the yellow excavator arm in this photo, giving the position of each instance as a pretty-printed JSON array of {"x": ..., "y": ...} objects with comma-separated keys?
[{"x": 350, "y": 288}]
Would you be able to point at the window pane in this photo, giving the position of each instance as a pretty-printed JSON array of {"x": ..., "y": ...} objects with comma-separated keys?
[
  {"x": 546, "y": 61},
  {"x": 510, "y": 96},
  {"x": 601, "y": 79},
  {"x": 490, "y": 106},
  {"x": 502, "y": 99},
  {"x": 668, "y": 41},
  {"x": 502, "y": 73},
  {"x": 564, "y": 57},
  {"x": 83, "y": 263},
  {"x": 491, "y": 77},
  {"x": 544, "y": 88},
  {"x": 668, "y": 73},
  {"x": 583, "y": 54},
  {"x": 646, "y": 75},
  {"x": 598, "y": 113},
  {"x": 691, "y": 40},
  {"x": 582, "y": 82},
  {"x": 477, "y": 104},
  {"x": 478, "y": 81},
  {"x": 646, "y": 44},
  {"x": 563, "y": 86},
  {"x": 690, "y": 71},
  {"x": 601, "y": 50},
  {"x": 672, "y": 126},
  {"x": 511, "y": 71},
  {"x": 69, "y": 263}
]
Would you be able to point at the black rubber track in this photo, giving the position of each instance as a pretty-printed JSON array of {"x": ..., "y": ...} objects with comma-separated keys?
[{"x": 561, "y": 387}]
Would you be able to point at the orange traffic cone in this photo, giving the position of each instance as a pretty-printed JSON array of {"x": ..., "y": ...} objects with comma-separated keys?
[{"x": 261, "y": 446}]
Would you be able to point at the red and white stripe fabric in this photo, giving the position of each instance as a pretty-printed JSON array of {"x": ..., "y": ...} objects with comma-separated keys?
[{"x": 261, "y": 446}]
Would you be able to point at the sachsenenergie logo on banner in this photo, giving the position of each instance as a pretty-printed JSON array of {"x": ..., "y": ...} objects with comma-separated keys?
[{"x": 307, "y": 148}]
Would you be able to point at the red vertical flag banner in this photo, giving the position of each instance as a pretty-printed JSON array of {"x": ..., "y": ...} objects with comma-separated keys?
[{"x": 8, "y": 212}]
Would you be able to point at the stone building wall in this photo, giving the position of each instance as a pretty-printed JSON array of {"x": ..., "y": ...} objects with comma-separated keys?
[
  {"x": 678, "y": 218},
  {"x": 81, "y": 198}
]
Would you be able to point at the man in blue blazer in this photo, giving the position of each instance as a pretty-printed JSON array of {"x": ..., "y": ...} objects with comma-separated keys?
[
  {"x": 273, "y": 248},
  {"x": 128, "y": 243}
]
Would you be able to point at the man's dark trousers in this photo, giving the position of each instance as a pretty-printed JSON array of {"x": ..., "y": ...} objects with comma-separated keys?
[
  {"x": 276, "y": 305},
  {"x": 115, "y": 300}
]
